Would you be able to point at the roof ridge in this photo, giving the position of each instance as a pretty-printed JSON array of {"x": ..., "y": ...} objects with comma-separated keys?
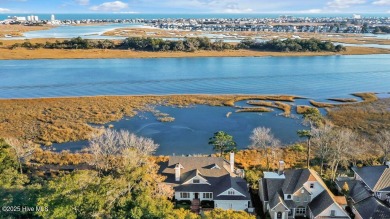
[
  {"x": 319, "y": 179},
  {"x": 385, "y": 172}
]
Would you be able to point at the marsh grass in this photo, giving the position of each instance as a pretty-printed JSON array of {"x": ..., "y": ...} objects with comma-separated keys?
[
  {"x": 58, "y": 120},
  {"x": 321, "y": 104},
  {"x": 344, "y": 100},
  {"x": 254, "y": 109},
  {"x": 366, "y": 117},
  {"x": 367, "y": 97},
  {"x": 278, "y": 105},
  {"x": 301, "y": 109}
]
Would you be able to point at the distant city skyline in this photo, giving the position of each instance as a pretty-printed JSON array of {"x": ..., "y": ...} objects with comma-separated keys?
[{"x": 195, "y": 6}]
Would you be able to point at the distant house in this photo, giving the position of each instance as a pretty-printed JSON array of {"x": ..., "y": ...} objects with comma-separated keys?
[
  {"x": 376, "y": 178},
  {"x": 299, "y": 193},
  {"x": 369, "y": 195},
  {"x": 207, "y": 179}
]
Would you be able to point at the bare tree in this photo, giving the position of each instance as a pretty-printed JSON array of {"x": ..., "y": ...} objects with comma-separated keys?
[
  {"x": 263, "y": 140},
  {"x": 23, "y": 150},
  {"x": 116, "y": 150},
  {"x": 345, "y": 141},
  {"x": 383, "y": 141},
  {"x": 322, "y": 138}
]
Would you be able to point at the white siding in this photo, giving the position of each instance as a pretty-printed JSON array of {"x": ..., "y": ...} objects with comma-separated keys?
[
  {"x": 236, "y": 205},
  {"x": 236, "y": 193},
  {"x": 314, "y": 191}
]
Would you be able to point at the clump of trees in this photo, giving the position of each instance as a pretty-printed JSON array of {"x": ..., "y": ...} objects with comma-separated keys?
[
  {"x": 291, "y": 45},
  {"x": 188, "y": 44},
  {"x": 191, "y": 44},
  {"x": 119, "y": 180},
  {"x": 382, "y": 29}
]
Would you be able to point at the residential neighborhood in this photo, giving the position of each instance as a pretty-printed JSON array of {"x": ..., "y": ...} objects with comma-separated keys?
[{"x": 208, "y": 182}]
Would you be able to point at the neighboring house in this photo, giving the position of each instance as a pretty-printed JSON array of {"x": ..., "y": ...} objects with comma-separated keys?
[
  {"x": 207, "y": 178},
  {"x": 366, "y": 195},
  {"x": 299, "y": 193},
  {"x": 376, "y": 178}
]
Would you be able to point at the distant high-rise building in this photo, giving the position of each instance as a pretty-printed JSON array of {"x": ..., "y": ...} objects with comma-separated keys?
[
  {"x": 357, "y": 16},
  {"x": 52, "y": 18}
]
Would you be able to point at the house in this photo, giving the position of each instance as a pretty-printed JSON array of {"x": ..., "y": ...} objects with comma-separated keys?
[
  {"x": 367, "y": 194},
  {"x": 212, "y": 179},
  {"x": 299, "y": 193},
  {"x": 376, "y": 178}
]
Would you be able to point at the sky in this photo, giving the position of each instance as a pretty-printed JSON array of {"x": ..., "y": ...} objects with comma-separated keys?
[{"x": 195, "y": 6}]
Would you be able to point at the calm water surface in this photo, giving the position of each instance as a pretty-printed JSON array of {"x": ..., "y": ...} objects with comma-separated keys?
[
  {"x": 192, "y": 128},
  {"x": 315, "y": 77}
]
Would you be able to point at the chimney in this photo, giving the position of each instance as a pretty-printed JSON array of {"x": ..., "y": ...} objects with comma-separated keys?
[
  {"x": 177, "y": 172},
  {"x": 231, "y": 162},
  {"x": 281, "y": 167}
]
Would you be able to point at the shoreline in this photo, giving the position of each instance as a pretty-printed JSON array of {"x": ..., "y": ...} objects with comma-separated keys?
[{"x": 30, "y": 54}]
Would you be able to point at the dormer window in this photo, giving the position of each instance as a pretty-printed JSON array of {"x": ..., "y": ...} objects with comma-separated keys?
[
  {"x": 312, "y": 185},
  {"x": 196, "y": 181},
  {"x": 288, "y": 197},
  {"x": 231, "y": 192}
]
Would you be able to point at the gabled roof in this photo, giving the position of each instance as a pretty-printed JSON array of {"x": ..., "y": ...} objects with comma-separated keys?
[
  {"x": 375, "y": 177},
  {"x": 271, "y": 187},
  {"x": 277, "y": 199},
  {"x": 320, "y": 203},
  {"x": 372, "y": 208},
  {"x": 295, "y": 180},
  {"x": 227, "y": 182},
  {"x": 358, "y": 192},
  {"x": 219, "y": 179}
]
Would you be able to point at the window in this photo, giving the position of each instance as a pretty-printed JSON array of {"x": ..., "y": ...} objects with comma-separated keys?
[
  {"x": 307, "y": 198},
  {"x": 279, "y": 215},
  {"x": 208, "y": 195},
  {"x": 312, "y": 185},
  {"x": 230, "y": 192},
  {"x": 303, "y": 191},
  {"x": 300, "y": 210},
  {"x": 288, "y": 197},
  {"x": 297, "y": 198},
  {"x": 290, "y": 212},
  {"x": 196, "y": 181},
  {"x": 378, "y": 194},
  {"x": 184, "y": 195},
  {"x": 332, "y": 213}
]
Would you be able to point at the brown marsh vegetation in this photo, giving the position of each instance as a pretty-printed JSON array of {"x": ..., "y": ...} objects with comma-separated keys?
[
  {"x": 48, "y": 120},
  {"x": 278, "y": 105},
  {"x": 366, "y": 117}
]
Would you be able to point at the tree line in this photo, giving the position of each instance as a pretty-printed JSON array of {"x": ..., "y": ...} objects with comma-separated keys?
[
  {"x": 188, "y": 45},
  {"x": 291, "y": 45},
  {"x": 119, "y": 180}
]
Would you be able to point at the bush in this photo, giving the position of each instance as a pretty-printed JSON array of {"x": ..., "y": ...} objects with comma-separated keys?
[{"x": 207, "y": 204}]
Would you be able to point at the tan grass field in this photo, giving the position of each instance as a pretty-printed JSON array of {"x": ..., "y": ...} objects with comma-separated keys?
[
  {"x": 47, "y": 120},
  {"x": 21, "y": 53},
  {"x": 18, "y": 30}
]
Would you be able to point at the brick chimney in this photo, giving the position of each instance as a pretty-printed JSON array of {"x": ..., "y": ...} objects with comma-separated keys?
[
  {"x": 281, "y": 167},
  {"x": 231, "y": 162},
  {"x": 177, "y": 172}
]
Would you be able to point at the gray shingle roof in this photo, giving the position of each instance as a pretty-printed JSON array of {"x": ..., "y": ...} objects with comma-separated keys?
[
  {"x": 276, "y": 199},
  {"x": 220, "y": 179},
  {"x": 295, "y": 180},
  {"x": 358, "y": 192},
  {"x": 320, "y": 203},
  {"x": 376, "y": 177},
  {"x": 371, "y": 208},
  {"x": 271, "y": 186}
]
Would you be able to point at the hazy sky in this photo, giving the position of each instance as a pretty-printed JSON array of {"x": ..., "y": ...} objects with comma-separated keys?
[{"x": 194, "y": 6}]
